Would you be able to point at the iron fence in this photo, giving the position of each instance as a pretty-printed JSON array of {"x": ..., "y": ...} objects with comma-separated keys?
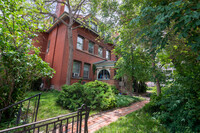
[
  {"x": 22, "y": 112},
  {"x": 75, "y": 122}
]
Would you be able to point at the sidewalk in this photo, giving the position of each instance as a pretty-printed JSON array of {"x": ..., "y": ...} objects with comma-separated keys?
[{"x": 105, "y": 118}]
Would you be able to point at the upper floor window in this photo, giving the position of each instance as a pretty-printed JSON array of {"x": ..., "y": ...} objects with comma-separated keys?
[
  {"x": 80, "y": 43},
  {"x": 86, "y": 71},
  {"x": 91, "y": 47},
  {"x": 48, "y": 46},
  {"x": 108, "y": 54},
  {"x": 100, "y": 51},
  {"x": 76, "y": 69},
  {"x": 93, "y": 25}
]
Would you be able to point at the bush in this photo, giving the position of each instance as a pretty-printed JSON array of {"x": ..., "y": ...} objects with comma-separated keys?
[
  {"x": 99, "y": 95},
  {"x": 177, "y": 108},
  {"x": 114, "y": 89},
  {"x": 71, "y": 96}
]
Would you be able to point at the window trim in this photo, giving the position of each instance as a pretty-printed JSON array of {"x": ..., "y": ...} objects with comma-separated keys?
[
  {"x": 74, "y": 73},
  {"x": 102, "y": 51},
  {"x": 88, "y": 65},
  {"x": 89, "y": 47},
  {"x": 109, "y": 56},
  {"x": 103, "y": 71},
  {"x": 78, "y": 42}
]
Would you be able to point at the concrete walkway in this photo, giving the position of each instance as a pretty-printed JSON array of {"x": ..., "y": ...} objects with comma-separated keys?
[{"x": 105, "y": 118}]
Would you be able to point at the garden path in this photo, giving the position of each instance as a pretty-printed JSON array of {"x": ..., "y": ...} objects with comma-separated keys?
[{"x": 105, "y": 118}]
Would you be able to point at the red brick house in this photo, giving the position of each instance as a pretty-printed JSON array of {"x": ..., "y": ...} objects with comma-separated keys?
[{"x": 88, "y": 51}]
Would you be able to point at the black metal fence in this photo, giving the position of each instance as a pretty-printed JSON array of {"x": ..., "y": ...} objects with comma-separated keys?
[
  {"x": 75, "y": 122},
  {"x": 20, "y": 113}
]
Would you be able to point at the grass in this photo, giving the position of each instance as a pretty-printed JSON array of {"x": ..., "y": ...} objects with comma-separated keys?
[
  {"x": 135, "y": 122},
  {"x": 125, "y": 100},
  {"x": 48, "y": 107}
]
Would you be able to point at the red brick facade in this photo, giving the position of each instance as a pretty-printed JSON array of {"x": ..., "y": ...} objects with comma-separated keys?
[{"x": 58, "y": 53}]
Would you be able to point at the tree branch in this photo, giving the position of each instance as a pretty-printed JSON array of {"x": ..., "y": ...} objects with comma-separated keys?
[
  {"x": 77, "y": 8},
  {"x": 55, "y": 16},
  {"x": 76, "y": 27}
]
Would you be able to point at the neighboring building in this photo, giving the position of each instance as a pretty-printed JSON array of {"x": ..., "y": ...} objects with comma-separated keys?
[{"x": 87, "y": 52}]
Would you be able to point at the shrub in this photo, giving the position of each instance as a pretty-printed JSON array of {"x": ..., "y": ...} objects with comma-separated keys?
[
  {"x": 177, "y": 108},
  {"x": 114, "y": 89},
  {"x": 99, "y": 95},
  {"x": 71, "y": 96}
]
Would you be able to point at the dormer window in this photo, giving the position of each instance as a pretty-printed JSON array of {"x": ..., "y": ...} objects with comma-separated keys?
[{"x": 93, "y": 26}]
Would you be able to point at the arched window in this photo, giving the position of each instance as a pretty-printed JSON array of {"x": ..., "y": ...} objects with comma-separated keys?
[{"x": 104, "y": 75}]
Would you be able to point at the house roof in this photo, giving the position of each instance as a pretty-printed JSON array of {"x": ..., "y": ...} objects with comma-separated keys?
[
  {"x": 65, "y": 16},
  {"x": 105, "y": 63}
]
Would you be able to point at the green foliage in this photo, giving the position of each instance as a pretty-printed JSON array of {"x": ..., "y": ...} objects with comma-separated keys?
[
  {"x": 125, "y": 100},
  {"x": 114, "y": 89},
  {"x": 98, "y": 95},
  {"x": 72, "y": 96},
  {"x": 169, "y": 32},
  {"x": 20, "y": 63},
  {"x": 177, "y": 108}
]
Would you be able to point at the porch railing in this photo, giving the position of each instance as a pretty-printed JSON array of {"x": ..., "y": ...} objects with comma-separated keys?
[{"x": 75, "y": 122}]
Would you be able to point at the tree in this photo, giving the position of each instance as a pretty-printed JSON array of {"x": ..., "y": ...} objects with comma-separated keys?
[
  {"x": 20, "y": 63},
  {"x": 118, "y": 16}
]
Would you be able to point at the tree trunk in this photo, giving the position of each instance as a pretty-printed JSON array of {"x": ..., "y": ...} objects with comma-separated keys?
[
  {"x": 154, "y": 75},
  {"x": 70, "y": 58},
  {"x": 136, "y": 86}
]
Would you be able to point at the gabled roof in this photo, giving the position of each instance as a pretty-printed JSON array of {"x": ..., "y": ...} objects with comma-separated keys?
[{"x": 65, "y": 16}]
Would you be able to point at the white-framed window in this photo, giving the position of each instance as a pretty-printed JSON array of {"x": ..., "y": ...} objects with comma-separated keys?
[
  {"x": 108, "y": 54},
  {"x": 104, "y": 75},
  {"x": 76, "y": 69},
  {"x": 48, "y": 46},
  {"x": 91, "y": 47},
  {"x": 86, "y": 71},
  {"x": 80, "y": 42},
  {"x": 100, "y": 51}
]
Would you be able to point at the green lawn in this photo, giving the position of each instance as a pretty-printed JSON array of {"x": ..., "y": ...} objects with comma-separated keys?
[
  {"x": 136, "y": 122},
  {"x": 48, "y": 107}
]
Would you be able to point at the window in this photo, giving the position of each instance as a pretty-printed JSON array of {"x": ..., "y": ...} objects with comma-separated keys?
[
  {"x": 86, "y": 71},
  {"x": 91, "y": 47},
  {"x": 80, "y": 43},
  {"x": 104, "y": 75},
  {"x": 100, "y": 51},
  {"x": 92, "y": 25},
  {"x": 108, "y": 54},
  {"x": 76, "y": 69},
  {"x": 48, "y": 45}
]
